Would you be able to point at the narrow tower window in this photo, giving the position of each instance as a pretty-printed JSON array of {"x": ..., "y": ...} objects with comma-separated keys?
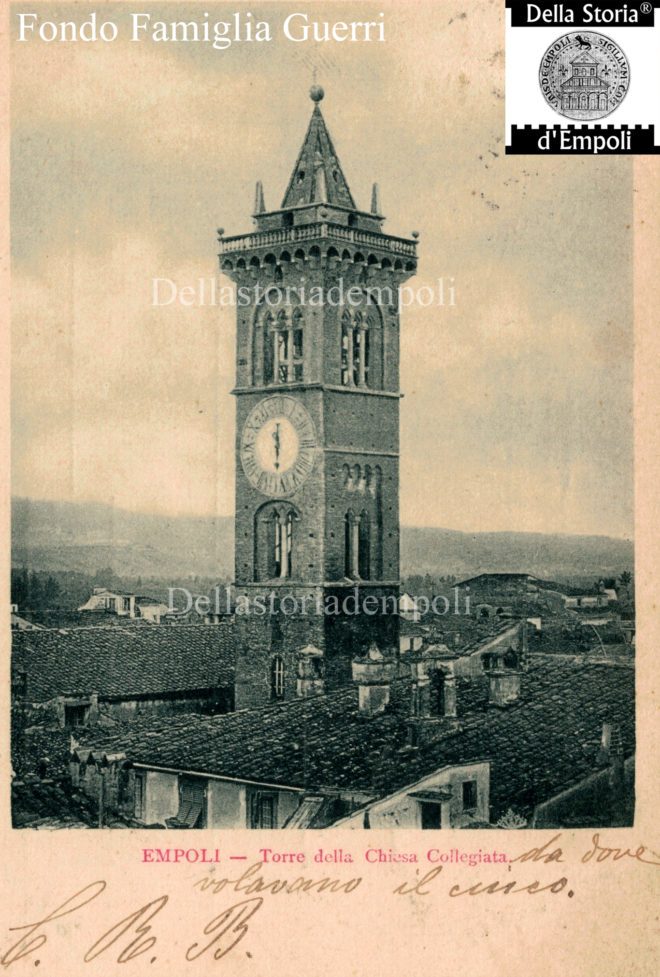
[
  {"x": 364, "y": 547},
  {"x": 288, "y": 546},
  {"x": 352, "y": 547},
  {"x": 297, "y": 329},
  {"x": 277, "y": 545},
  {"x": 358, "y": 350},
  {"x": 268, "y": 348},
  {"x": 346, "y": 349},
  {"x": 283, "y": 545},
  {"x": 348, "y": 544},
  {"x": 282, "y": 348},
  {"x": 365, "y": 356},
  {"x": 277, "y": 678},
  {"x": 354, "y": 350}
]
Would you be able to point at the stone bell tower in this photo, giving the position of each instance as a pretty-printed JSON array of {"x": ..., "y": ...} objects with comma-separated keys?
[{"x": 317, "y": 425}]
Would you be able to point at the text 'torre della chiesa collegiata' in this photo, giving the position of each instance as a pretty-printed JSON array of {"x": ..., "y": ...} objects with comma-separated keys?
[{"x": 317, "y": 424}]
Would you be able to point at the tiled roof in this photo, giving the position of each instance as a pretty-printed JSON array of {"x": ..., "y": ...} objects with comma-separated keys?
[
  {"x": 502, "y": 575},
  {"x": 122, "y": 662},
  {"x": 317, "y": 153},
  {"x": 49, "y": 804},
  {"x": 22, "y": 624},
  {"x": 537, "y": 747},
  {"x": 466, "y": 633},
  {"x": 99, "y": 617},
  {"x": 412, "y": 629}
]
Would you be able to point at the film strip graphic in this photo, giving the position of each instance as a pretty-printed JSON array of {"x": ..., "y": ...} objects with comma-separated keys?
[{"x": 585, "y": 140}]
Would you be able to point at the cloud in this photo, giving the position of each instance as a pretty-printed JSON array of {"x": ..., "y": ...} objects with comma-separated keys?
[
  {"x": 150, "y": 99},
  {"x": 115, "y": 399},
  {"x": 126, "y": 158},
  {"x": 523, "y": 425}
]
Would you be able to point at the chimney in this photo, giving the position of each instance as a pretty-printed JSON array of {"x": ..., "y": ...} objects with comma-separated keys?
[
  {"x": 373, "y": 675},
  {"x": 375, "y": 199},
  {"x": 503, "y": 684},
  {"x": 434, "y": 684},
  {"x": 310, "y": 680},
  {"x": 449, "y": 697}
]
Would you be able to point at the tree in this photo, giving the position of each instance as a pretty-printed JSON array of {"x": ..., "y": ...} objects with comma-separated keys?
[
  {"x": 51, "y": 592},
  {"x": 35, "y": 592},
  {"x": 104, "y": 577},
  {"x": 19, "y": 586}
]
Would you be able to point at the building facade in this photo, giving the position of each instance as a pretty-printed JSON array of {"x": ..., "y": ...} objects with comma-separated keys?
[
  {"x": 317, "y": 423},
  {"x": 585, "y": 89}
]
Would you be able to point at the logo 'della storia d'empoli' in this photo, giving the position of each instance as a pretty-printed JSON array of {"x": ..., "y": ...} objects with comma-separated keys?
[{"x": 584, "y": 76}]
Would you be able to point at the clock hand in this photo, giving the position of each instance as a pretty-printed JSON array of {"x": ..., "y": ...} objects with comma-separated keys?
[{"x": 276, "y": 441}]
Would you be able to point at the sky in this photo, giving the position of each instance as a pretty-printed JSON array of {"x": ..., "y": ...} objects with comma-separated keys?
[{"x": 126, "y": 157}]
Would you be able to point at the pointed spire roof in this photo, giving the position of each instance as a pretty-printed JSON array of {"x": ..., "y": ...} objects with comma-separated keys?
[
  {"x": 259, "y": 203},
  {"x": 317, "y": 175}
]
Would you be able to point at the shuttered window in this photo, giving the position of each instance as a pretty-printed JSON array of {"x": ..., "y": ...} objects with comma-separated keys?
[{"x": 192, "y": 802}]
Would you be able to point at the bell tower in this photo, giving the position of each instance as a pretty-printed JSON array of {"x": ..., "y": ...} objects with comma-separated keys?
[{"x": 317, "y": 426}]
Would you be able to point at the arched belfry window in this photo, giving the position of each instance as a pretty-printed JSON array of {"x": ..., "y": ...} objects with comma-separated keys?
[
  {"x": 274, "y": 541},
  {"x": 361, "y": 346},
  {"x": 283, "y": 345},
  {"x": 277, "y": 677}
]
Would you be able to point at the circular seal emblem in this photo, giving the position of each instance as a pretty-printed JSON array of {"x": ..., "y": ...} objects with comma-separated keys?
[{"x": 584, "y": 76}]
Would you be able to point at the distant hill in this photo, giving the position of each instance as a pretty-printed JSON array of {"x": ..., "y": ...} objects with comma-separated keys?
[
  {"x": 85, "y": 537},
  {"x": 555, "y": 557}
]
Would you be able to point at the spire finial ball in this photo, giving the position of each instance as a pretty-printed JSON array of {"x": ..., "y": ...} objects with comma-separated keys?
[{"x": 316, "y": 93}]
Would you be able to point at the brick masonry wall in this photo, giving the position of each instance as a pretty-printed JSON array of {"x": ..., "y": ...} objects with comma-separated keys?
[{"x": 353, "y": 429}]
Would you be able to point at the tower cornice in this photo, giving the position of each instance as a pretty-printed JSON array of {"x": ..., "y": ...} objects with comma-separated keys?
[{"x": 280, "y": 388}]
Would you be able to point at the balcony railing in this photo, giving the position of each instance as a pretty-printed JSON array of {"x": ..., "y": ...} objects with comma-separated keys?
[{"x": 330, "y": 232}]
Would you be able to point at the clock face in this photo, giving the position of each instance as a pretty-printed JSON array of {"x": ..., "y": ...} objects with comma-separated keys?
[{"x": 278, "y": 445}]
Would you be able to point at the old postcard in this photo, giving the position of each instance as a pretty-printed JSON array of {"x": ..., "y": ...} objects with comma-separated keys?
[{"x": 330, "y": 611}]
